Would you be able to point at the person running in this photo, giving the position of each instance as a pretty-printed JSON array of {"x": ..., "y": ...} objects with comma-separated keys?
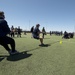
[
  {"x": 4, "y": 39},
  {"x": 36, "y": 34}
]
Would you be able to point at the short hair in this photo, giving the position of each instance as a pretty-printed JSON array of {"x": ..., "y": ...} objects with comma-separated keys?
[
  {"x": 37, "y": 25},
  {"x": 1, "y": 13}
]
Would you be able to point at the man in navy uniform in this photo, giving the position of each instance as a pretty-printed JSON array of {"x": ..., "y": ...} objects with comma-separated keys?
[
  {"x": 4, "y": 39},
  {"x": 36, "y": 34}
]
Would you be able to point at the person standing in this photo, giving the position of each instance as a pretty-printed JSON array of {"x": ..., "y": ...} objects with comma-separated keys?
[
  {"x": 50, "y": 33},
  {"x": 43, "y": 32},
  {"x": 12, "y": 31},
  {"x": 19, "y": 32},
  {"x": 32, "y": 29}
]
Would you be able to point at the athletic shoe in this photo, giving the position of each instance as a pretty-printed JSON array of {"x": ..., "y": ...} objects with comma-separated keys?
[
  {"x": 42, "y": 45},
  {"x": 13, "y": 52}
]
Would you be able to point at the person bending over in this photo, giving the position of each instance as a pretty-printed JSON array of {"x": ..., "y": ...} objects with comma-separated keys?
[
  {"x": 36, "y": 34},
  {"x": 4, "y": 39}
]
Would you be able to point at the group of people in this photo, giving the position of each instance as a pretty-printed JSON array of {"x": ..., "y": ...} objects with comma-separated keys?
[
  {"x": 5, "y": 40},
  {"x": 16, "y": 31},
  {"x": 59, "y": 33},
  {"x": 68, "y": 35}
]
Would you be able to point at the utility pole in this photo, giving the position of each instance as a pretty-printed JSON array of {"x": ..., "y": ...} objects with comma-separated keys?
[{"x": 29, "y": 25}]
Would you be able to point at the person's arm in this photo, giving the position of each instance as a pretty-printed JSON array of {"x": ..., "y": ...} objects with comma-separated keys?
[
  {"x": 38, "y": 32},
  {"x": 6, "y": 28}
]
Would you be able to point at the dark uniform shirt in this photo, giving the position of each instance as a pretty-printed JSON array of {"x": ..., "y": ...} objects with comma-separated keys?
[
  {"x": 4, "y": 29},
  {"x": 36, "y": 32}
]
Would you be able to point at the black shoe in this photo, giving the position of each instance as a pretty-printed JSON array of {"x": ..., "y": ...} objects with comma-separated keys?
[
  {"x": 42, "y": 45},
  {"x": 13, "y": 52}
]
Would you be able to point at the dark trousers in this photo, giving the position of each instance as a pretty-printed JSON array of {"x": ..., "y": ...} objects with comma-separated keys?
[
  {"x": 12, "y": 34},
  {"x": 43, "y": 35},
  {"x": 4, "y": 41},
  {"x": 18, "y": 34}
]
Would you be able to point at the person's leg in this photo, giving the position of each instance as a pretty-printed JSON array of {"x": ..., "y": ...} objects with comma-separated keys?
[
  {"x": 11, "y": 42},
  {"x": 11, "y": 34},
  {"x": 6, "y": 46},
  {"x": 20, "y": 34},
  {"x": 3, "y": 43},
  {"x": 7, "y": 40},
  {"x": 43, "y": 35},
  {"x": 41, "y": 40}
]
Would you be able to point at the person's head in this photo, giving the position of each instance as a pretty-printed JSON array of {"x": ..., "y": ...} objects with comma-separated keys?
[
  {"x": 43, "y": 27},
  {"x": 32, "y": 26},
  {"x": 37, "y": 25},
  {"x": 12, "y": 26},
  {"x": 2, "y": 14}
]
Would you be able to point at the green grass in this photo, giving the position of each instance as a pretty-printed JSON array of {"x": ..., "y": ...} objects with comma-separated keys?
[{"x": 56, "y": 59}]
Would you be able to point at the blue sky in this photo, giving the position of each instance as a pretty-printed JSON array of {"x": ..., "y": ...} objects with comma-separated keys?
[{"x": 54, "y": 15}]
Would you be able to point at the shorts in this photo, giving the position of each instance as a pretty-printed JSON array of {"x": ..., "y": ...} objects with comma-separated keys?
[{"x": 35, "y": 37}]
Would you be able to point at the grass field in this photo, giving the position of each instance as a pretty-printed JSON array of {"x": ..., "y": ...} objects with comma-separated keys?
[{"x": 56, "y": 59}]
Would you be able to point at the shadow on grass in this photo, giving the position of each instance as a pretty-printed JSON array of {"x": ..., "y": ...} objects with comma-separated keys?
[
  {"x": 22, "y": 55},
  {"x": 53, "y": 42},
  {"x": 18, "y": 56},
  {"x": 1, "y": 58},
  {"x": 33, "y": 49},
  {"x": 37, "y": 48},
  {"x": 46, "y": 45},
  {"x": 15, "y": 57}
]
